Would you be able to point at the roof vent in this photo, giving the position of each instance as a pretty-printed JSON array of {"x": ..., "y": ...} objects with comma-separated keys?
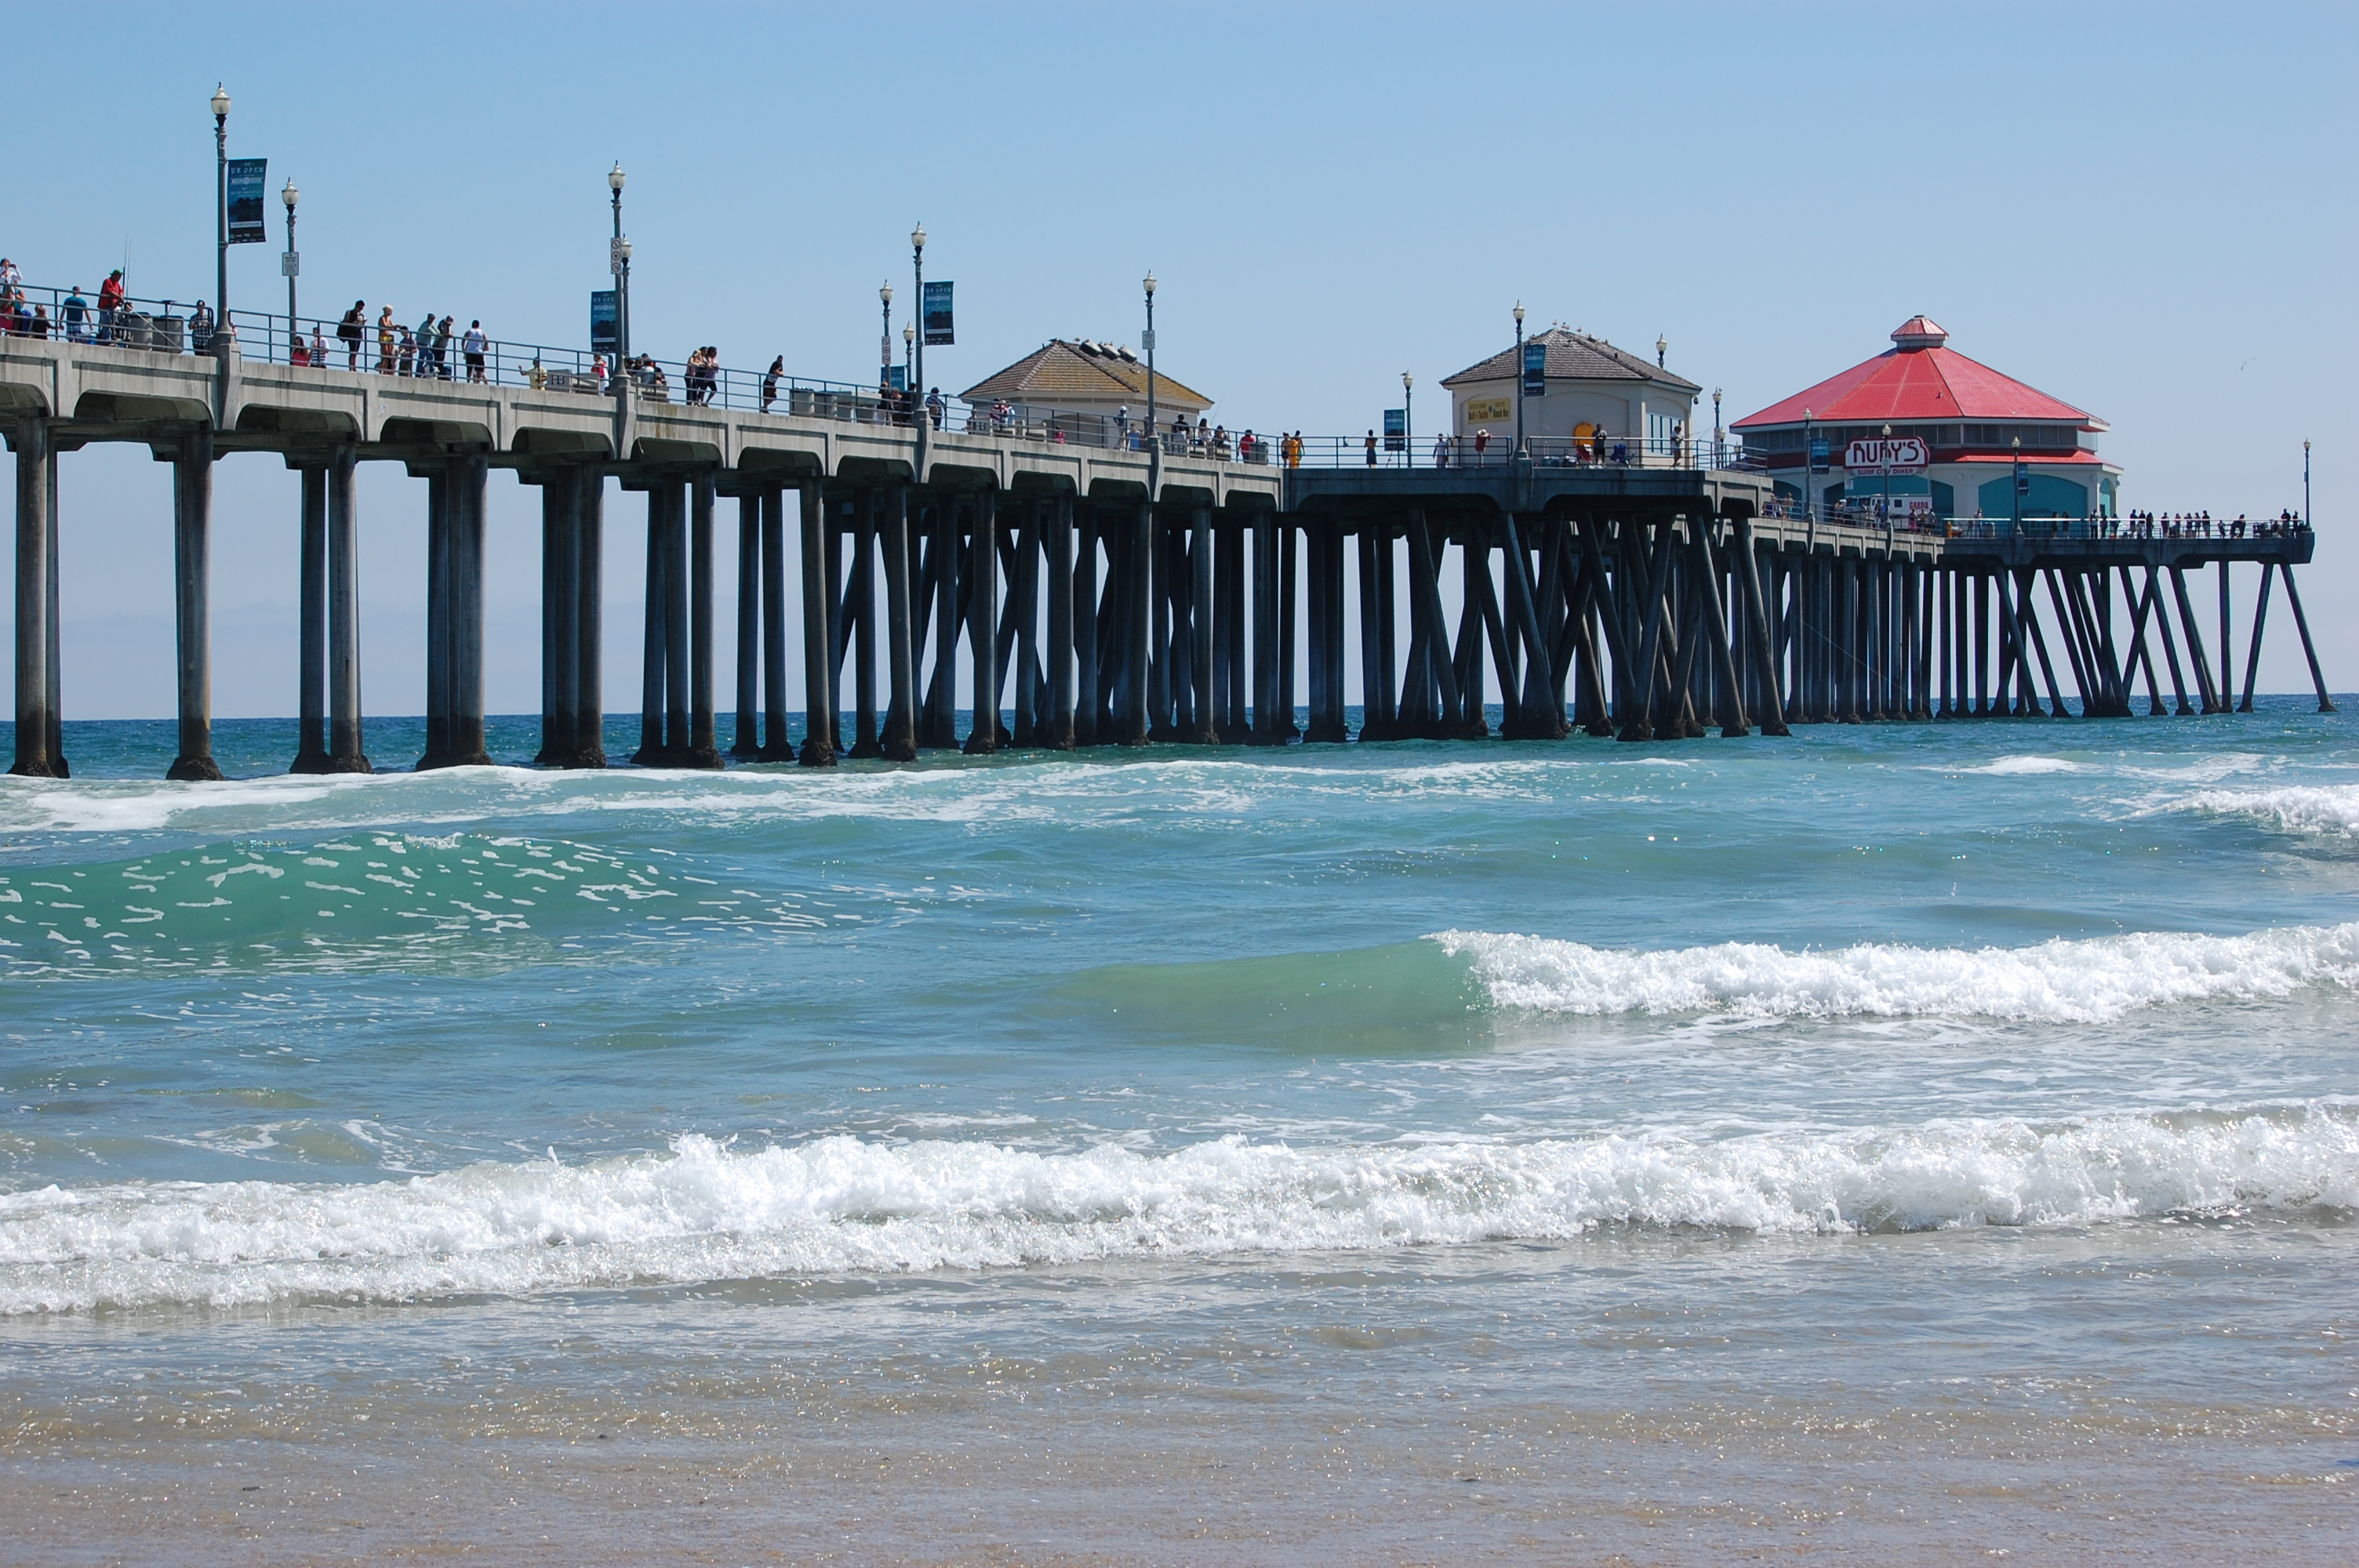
[{"x": 1919, "y": 333}]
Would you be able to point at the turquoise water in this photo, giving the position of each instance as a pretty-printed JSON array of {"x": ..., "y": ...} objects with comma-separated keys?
[{"x": 1751, "y": 1140}]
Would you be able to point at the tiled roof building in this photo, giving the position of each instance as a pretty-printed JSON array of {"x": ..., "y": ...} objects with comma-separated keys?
[
  {"x": 1973, "y": 421},
  {"x": 1086, "y": 377}
]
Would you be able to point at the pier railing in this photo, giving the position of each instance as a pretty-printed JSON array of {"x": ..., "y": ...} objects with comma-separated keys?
[
  {"x": 1602, "y": 450},
  {"x": 402, "y": 351}
]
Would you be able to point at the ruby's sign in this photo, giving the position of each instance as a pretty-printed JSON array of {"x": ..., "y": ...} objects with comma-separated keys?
[{"x": 1889, "y": 454}]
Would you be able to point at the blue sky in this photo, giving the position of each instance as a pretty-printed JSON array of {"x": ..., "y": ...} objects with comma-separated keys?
[{"x": 2143, "y": 210}]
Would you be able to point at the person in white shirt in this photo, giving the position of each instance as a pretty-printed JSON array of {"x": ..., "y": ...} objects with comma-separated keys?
[{"x": 472, "y": 345}]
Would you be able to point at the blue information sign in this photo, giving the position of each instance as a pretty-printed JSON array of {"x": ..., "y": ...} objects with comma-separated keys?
[
  {"x": 1396, "y": 429},
  {"x": 938, "y": 315},
  {"x": 1535, "y": 370},
  {"x": 245, "y": 220},
  {"x": 1818, "y": 454},
  {"x": 604, "y": 339}
]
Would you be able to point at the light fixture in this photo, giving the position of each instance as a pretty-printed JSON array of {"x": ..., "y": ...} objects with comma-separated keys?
[
  {"x": 1149, "y": 284},
  {"x": 884, "y": 292},
  {"x": 1519, "y": 312},
  {"x": 221, "y": 102},
  {"x": 1406, "y": 383},
  {"x": 288, "y": 196},
  {"x": 615, "y": 178},
  {"x": 917, "y": 238},
  {"x": 622, "y": 249}
]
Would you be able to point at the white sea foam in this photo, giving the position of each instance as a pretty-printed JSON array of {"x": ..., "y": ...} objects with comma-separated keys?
[
  {"x": 704, "y": 1211},
  {"x": 2006, "y": 767},
  {"x": 2065, "y": 982},
  {"x": 2325, "y": 809}
]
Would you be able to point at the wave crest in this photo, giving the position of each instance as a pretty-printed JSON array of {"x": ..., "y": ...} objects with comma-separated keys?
[
  {"x": 2323, "y": 809},
  {"x": 2086, "y": 980},
  {"x": 705, "y": 1211}
]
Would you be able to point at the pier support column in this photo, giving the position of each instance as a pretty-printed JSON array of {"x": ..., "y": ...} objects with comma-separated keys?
[
  {"x": 1265, "y": 729},
  {"x": 703, "y": 748},
  {"x": 556, "y": 611},
  {"x": 775, "y": 746},
  {"x": 36, "y": 541},
  {"x": 680, "y": 630},
  {"x": 588, "y": 577},
  {"x": 983, "y": 625},
  {"x": 1088, "y": 689},
  {"x": 1138, "y": 623},
  {"x": 1024, "y": 596},
  {"x": 1202, "y": 730},
  {"x": 653, "y": 642},
  {"x": 1061, "y": 625},
  {"x": 747, "y": 741},
  {"x": 311, "y": 637},
  {"x": 818, "y": 718},
  {"x": 460, "y": 585},
  {"x": 346, "y": 754},
  {"x": 860, "y": 595},
  {"x": 192, "y": 477},
  {"x": 901, "y": 638}
]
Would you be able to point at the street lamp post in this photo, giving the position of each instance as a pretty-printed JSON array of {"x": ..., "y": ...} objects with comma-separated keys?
[
  {"x": 1809, "y": 468},
  {"x": 918, "y": 379},
  {"x": 1408, "y": 441},
  {"x": 1154, "y": 436},
  {"x": 619, "y": 264},
  {"x": 2018, "y": 487},
  {"x": 2305, "y": 489},
  {"x": 909, "y": 347},
  {"x": 221, "y": 210},
  {"x": 885, "y": 343},
  {"x": 1886, "y": 463},
  {"x": 1519, "y": 378},
  {"x": 1717, "y": 435},
  {"x": 292, "y": 264}
]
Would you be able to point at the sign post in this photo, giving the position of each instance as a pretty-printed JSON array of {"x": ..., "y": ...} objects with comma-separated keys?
[{"x": 1396, "y": 429}]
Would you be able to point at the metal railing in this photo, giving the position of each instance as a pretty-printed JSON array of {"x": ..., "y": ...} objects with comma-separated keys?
[
  {"x": 1601, "y": 450},
  {"x": 426, "y": 351}
]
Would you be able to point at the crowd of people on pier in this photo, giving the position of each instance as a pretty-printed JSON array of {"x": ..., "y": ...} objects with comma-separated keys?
[
  {"x": 423, "y": 353},
  {"x": 2202, "y": 526}
]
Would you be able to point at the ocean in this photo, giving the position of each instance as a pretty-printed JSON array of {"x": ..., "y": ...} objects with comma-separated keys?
[{"x": 1897, "y": 1142}]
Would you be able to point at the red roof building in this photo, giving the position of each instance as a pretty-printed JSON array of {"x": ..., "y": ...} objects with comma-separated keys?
[{"x": 1968, "y": 423}]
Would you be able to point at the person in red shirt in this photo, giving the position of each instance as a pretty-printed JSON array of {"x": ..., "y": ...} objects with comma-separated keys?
[{"x": 111, "y": 301}]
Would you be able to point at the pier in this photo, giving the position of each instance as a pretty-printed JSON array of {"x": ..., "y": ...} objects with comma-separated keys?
[{"x": 1106, "y": 587}]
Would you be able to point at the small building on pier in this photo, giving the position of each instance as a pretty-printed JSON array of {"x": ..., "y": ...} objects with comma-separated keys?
[
  {"x": 1082, "y": 376},
  {"x": 1595, "y": 393},
  {"x": 1969, "y": 422}
]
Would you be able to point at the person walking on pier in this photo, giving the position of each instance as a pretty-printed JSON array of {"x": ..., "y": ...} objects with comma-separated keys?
[
  {"x": 201, "y": 328},
  {"x": 349, "y": 330},
  {"x": 474, "y": 345},
  {"x": 444, "y": 331},
  {"x": 78, "y": 312},
  {"x": 318, "y": 347},
  {"x": 1371, "y": 444},
  {"x": 770, "y": 381},
  {"x": 406, "y": 355}
]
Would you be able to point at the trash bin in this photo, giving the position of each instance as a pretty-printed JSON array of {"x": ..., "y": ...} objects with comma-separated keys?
[
  {"x": 133, "y": 329},
  {"x": 164, "y": 334}
]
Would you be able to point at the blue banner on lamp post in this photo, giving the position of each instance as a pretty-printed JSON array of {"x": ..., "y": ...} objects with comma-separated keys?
[
  {"x": 603, "y": 337},
  {"x": 1536, "y": 369},
  {"x": 937, "y": 317},
  {"x": 1396, "y": 429},
  {"x": 245, "y": 218}
]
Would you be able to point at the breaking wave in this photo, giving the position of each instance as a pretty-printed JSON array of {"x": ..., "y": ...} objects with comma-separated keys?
[
  {"x": 2323, "y": 809},
  {"x": 704, "y": 1211},
  {"x": 2085, "y": 980}
]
